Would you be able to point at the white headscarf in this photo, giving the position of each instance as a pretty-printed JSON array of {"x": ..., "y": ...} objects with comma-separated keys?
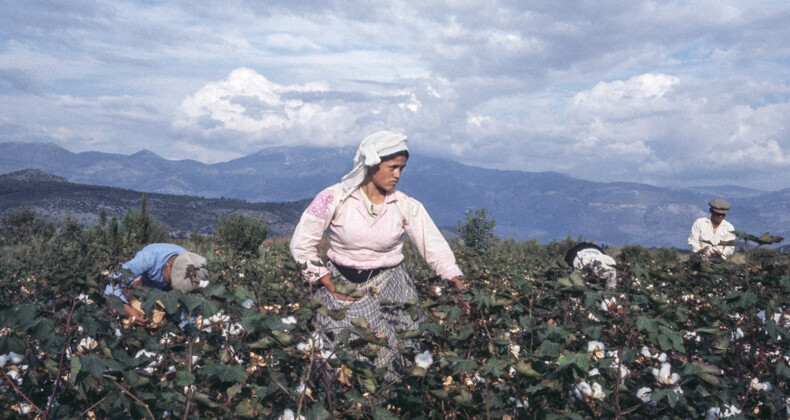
[{"x": 372, "y": 148}]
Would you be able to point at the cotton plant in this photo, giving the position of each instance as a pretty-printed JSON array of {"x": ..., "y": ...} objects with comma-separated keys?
[
  {"x": 665, "y": 376},
  {"x": 289, "y": 414},
  {"x": 423, "y": 360},
  {"x": 13, "y": 358},
  {"x": 760, "y": 386},
  {"x": 717, "y": 413},
  {"x": 596, "y": 349},
  {"x": 644, "y": 395},
  {"x": 594, "y": 391}
]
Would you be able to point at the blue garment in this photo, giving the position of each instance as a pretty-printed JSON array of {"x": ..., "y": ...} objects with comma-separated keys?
[{"x": 149, "y": 265}]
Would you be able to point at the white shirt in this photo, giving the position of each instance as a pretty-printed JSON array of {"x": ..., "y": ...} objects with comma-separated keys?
[
  {"x": 702, "y": 229},
  {"x": 602, "y": 265}
]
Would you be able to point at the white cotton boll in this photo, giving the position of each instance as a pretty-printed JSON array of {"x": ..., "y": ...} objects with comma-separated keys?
[
  {"x": 665, "y": 376},
  {"x": 437, "y": 291},
  {"x": 288, "y": 320},
  {"x": 14, "y": 358},
  {"x": 624, "y": 372},
  {"x": 247, "y": 303},
  {"x": 145, "y": 353},
  {"x": 592, "y": 317},
  {"x": 23, "y": 408},
  {"x": 149, "y": 370},
  {"x": 646, "y": 352},
  {"x": 241, "y": 275},
  {"x": 86, "y": 344},
  {"x": 314, "y": 342},
  {"x": 118, "y": 333},
  {"x": 715, "y": 412},
  {"x": 582, "y": 388},
  {"x": 761, "y": 386},
  {"x": 84, "y": 298},
  {"x": 203, "y": 284},
  {"x": 195, "y": 359},
  {"x": 519, "y": 404},
  {"x": 644, "y": 395},
  {"x": 593, "y": 372},
  {"x": 300, "y": 389},
  {"x": 170, "y": 369},
  {"x": 736, "y": 335},
  {"x": 596, "y": 349},
  {"x": 515, "y": 349},
  {"x": 662, "y": 357},
  {"x": 288, "y": 414},
  {"x": 235, "y": 329},
  {"x": 761, "y": 316},
  {"x": 598, "y": 393},
  {"x": 424, "y": 359}
]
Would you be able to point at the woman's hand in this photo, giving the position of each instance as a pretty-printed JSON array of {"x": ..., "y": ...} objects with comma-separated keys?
[
  {"x": 326, "y": 281},
  {"x": 459, "y": 285}
]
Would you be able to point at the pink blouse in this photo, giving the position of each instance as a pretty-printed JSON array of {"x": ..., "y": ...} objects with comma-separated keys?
[{"x": 359, "y": 241}]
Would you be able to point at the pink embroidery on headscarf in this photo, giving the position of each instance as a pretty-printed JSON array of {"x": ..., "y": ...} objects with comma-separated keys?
[{"x": 320, "y": 204}]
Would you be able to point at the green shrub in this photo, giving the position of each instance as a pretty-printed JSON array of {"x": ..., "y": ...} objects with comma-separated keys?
[
  {"x": 23, "y": 225},
  {"x": 477, "y": 231},
  {"x": 240, "y": 233}
]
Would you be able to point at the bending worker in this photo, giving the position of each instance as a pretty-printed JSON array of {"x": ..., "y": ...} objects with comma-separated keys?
[{"x": 161, "y": 266}]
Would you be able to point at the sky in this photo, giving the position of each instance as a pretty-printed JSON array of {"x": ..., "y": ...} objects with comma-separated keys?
[{"x": 670, "y": 93}]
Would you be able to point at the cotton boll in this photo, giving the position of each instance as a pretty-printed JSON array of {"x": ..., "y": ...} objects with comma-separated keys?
[
  {"x": 515, "y": 349},
  {"x": 424, "y": 359},
  {"x": 248, "y": 303},
  {"x": 596, "y": 349}
]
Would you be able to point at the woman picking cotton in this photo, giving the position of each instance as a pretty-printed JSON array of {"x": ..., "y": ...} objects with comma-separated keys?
[{"x": 365, "y": 218}]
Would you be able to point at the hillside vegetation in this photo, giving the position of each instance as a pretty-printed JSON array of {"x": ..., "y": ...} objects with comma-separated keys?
[
  {"x": 53, "y": 198},
  {"x": 540, "y": 342}
]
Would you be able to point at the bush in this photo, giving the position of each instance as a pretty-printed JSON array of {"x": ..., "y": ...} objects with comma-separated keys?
[
  {"x": 140, "y": 228},
  {"x": 21, "y": 226},
  {"x": 477, "y": 231},
  {"x": 240, "y": 233},
  {"x": 635, "y": 255}
]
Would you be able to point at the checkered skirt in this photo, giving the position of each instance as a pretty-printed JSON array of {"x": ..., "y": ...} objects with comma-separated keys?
[{"x": 392, "y": 284}]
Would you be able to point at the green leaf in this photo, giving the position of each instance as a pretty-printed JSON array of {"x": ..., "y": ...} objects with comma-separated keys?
[
  {"x": 184, "y": 378},
  {"x": 244, "y": 409},
  {"x": 495, "y": 367},
  {"x": 225, "y": 373},
  {"x": 369, "y": 384},
  {"x": 464, "y": 398},
  {"x": 782, "y": 369},
  {"x": 548, "y": 349},
  {"x": 318, "y": 412},
  {"x": 382, "y": 413},
  {"x": 579, "y": 360},
  {"x": 464, "y": 365},
  {"x": 525, "y": 369}
]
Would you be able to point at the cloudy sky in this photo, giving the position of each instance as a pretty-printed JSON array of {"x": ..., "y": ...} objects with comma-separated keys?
[{"x": 662, "y": 92}]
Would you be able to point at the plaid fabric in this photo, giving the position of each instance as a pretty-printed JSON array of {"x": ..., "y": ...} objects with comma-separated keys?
[{"x": 394, "y": 285}]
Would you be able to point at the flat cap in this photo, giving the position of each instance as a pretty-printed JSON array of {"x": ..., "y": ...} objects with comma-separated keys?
[{"x": 719, "y": 205}]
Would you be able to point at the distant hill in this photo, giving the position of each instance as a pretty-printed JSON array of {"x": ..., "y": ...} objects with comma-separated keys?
[
  {"x": 542, "y": 205},
  {"x": 52, "y": 197}
]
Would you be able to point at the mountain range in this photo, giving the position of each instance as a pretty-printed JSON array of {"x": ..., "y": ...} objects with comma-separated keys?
[{"x": 541, "y": 205}]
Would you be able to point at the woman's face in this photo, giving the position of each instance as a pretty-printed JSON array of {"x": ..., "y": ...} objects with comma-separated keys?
[{"x": 385, "y": 175}]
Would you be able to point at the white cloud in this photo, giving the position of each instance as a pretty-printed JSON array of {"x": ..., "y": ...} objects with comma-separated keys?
[{"x": 644, "y": 91}]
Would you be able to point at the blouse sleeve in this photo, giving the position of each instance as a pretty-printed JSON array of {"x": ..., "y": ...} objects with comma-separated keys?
[
  {"x": 308, "y": 233},
  {"x": 429, "y": 241}
]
